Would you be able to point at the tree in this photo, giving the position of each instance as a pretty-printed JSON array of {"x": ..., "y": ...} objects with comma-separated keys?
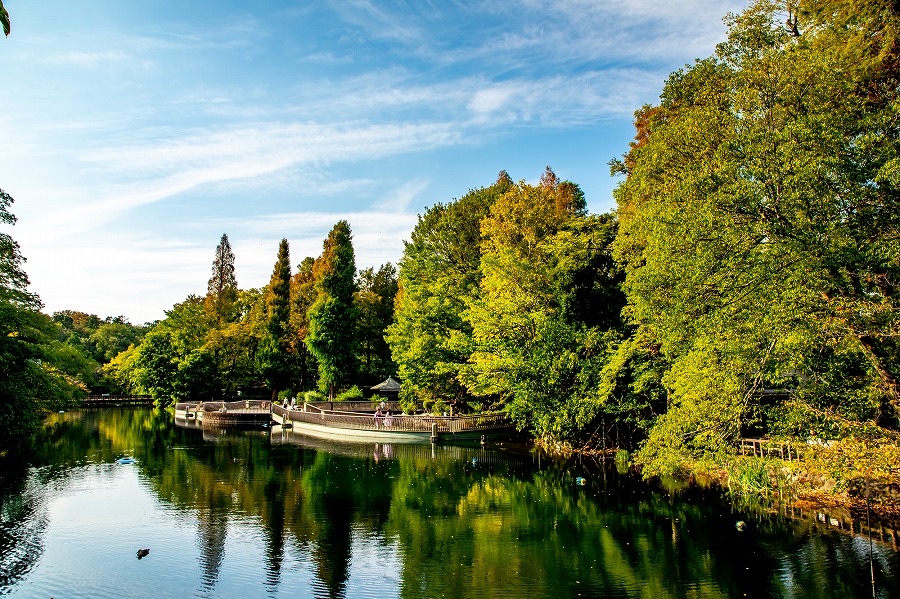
[
  {"x": 333, "y": 316},
  {"x": 759, "y": 224},
  {"x": 4, "y": 19},
  {"x": 439, "y": 276},
  {"x": 13, "y": 280},
  {"x": 37, "y": 372},
  {"x": 222, "y": 289},
  {"x": 546, "y": 322},
  {"x": 167, "y": 363},
  {"x": 375, "y": 304},
  {"x": 276, "y": 357},
  {"x": 303, "y": 295}
]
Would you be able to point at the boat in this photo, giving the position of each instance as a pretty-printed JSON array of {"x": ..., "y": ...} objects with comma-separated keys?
[{"x": 389, "y": 428}]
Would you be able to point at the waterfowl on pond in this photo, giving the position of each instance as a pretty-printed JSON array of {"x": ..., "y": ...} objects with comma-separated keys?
[{"x": 141, "y": 553}]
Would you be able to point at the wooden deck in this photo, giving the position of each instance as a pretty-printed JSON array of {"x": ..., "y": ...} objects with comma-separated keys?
[
  {"x": 225, "y": 414},
  {"x": 420, "y": 428},
  {"x": 342, "y": 425}
]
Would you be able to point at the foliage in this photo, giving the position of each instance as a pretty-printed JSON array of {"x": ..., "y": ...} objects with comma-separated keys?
[
  {"x": 333, "y": 316},
  {"x": 303, "y": 295},
  {"x": 170, "y": 363},
  {"x": 97, "y": 342},
  {"x": 38, "y": 372},
  {"x": 313, "y": 395},
  {"x": 222, "y": 289},
  {"x": 350, "y": 394},
  {"x": 276, "y": 358},
  {"x": 759, "y": 227},
  {"x": 430, "y": 341},
  {"x": 4, "y": 20},
  {"x": 546, "y": 322},
  {"x": 375, "y": 304}
]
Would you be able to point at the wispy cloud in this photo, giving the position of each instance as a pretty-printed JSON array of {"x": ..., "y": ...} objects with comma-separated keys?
[
  {"x": 152, "y": 271},
  {"x": 163, "y": 169},
  {"x": 90, "y": 59},
  {"x": 148, "y": 132}
]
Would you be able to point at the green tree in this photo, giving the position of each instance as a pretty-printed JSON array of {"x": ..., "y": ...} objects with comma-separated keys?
[
  {"x": 375, "y": 304},
  {"x": 222, "y": 288},
  {"x": 167, "y": 362},
  {"x": 430, "y": 341},
  {"x": 112, "y": 338},
  {"x": 333, "y": 316},
  {"x": 37, "y": 373},
  {"x": 759, "y": 224},
  {"x": 4, "y": 19},
  {"x": 547, "y": 322},
  {"x": 303, "y": 295},
  {"x": 276, "y": 355}
]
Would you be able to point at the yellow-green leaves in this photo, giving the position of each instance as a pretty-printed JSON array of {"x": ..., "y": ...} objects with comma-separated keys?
[
  {"x": 759, "y": 229},
  {"x": 4, "y": 19}
]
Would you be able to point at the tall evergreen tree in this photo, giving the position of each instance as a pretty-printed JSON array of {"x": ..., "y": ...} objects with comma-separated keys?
[
  {"x": 333, "y": 316},
  {"x": 222, "y": 289},
  {"x": 303, "y": 295},
  {"x": 276, "y": 346},
  {"x": 278, "y": 300}
]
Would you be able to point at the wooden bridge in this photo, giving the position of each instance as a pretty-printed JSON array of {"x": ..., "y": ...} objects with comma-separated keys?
[{"x": 108, "y": 400}]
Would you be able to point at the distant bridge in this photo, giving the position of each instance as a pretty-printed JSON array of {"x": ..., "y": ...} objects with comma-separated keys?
[{"x": 113, "y": 401}]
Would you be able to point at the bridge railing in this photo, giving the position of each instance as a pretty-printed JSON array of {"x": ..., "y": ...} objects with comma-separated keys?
[
  {"x": 113, "y": 400},
  {"x": 246, "y": 405},
  {"x": 415, "y": 423},
  {"x": 354, "y": 405},
  {"x": 770, "y": 448}
]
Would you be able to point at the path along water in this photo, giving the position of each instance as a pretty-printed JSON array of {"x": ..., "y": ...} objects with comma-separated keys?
[{"x": 270, "y": 513}]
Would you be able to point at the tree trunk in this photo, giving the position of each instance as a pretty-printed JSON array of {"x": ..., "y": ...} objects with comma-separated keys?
[{"x": 888, "y": 380}]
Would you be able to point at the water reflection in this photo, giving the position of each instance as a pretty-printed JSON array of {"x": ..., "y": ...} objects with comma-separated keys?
[
  {"x": 269, "y": 514},
  {"x": 23, "y": 521}
]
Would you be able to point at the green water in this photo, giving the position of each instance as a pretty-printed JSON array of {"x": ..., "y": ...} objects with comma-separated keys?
[{"x": 270, "y": 513}]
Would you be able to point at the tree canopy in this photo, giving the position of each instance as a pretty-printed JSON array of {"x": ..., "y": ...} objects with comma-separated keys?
[
  {"x": 759, "y": 227},
  {"x": 440, "y": 271}
]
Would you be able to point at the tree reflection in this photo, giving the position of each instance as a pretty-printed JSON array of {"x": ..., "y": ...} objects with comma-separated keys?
[
  {"x": 23, "y": 523},
  {"x": 462, "y": 522}
]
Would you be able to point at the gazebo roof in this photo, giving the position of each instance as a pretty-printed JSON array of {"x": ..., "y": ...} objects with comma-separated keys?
[{"x": 387, "y": 385}]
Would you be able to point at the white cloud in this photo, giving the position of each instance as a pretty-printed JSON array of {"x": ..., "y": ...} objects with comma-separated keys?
[
  {"x": 142, "y": 275},
  {"x": 90, "y": 59},
  {"x": 492, "y": 99},
  {"x": 105, "y": 128},
  {"x": 161, "y": 170}
]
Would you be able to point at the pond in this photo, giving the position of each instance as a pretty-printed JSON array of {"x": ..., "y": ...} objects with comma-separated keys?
[{"x": 269, "y": 513}]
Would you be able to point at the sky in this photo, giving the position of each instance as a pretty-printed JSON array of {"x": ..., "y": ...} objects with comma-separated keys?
[{"x": 134, "y": 134}]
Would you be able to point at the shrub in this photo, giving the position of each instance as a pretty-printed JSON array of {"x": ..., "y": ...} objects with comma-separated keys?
[
  {"x": 314, "y": 396},
  {"x": 352, "y": 393}
]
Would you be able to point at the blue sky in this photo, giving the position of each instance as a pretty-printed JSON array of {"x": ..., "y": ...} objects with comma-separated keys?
[{"x": 136, "y": 133}]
